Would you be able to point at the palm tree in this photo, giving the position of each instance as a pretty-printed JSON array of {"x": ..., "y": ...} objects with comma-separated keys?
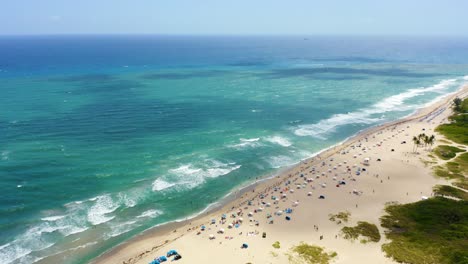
[
  {"x": 416, "y": 142},
  {"x": 431, "y": 140}
]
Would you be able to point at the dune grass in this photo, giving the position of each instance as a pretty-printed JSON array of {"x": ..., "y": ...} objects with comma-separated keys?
[
  {"x": 310, "y": 254},
  {"x": 341, "y": 216},
  {"x": 447, "y": 190},
  {"x": 447, "y": 152},
  {"x": 367, "y": 231},
  {"x": 428, "y": 231},
  {"x": 276, "y": 245},
  {"x": 457, "y": 130}
]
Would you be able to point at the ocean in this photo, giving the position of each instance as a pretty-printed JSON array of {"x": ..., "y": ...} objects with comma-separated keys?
[{"x": 103, "y": 137}]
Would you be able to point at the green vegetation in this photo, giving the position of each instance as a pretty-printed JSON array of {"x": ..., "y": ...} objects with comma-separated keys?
[
  {"x": 309, "y": 254},
  {"x": 368, "y": 232},
  {"x": 460, "y": 106},
  {"x": 462, "y": 161},
  {"x": 341, "y": 216},
  {"x": 461, "y": 183},
  {"x": 276, "y": 245},
  {"x": 446, "y": 152},
  {"x": 455, "y": 170},
  {"x": 457, "y": 130},
  {"x": 428, "y": 231},
  {"x": 450, "y": 191}
]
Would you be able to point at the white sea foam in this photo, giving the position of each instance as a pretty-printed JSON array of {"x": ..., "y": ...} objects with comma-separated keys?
[
  {"x": 190, "y": 175},
  {"x": 465, "y": 78},
  {"x": 119, "y": 229},
  {"x": 152, "y": 213},
  {"x": 53, "y": 218},
  {"x": 280, "y": 161},
  {"x": 246, "y": 143},
  {"x": 76, "y": 218},
  {"x": 5, "y": 155},
  {"x": 367, "y": 115},
  {"x": 99, "y": 212},
  {"x": 279, "y": 141},
  {"x": 159, "y": 185}
]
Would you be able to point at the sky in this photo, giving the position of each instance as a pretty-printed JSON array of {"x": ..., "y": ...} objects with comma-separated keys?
[{"x": 235, "y": 17}]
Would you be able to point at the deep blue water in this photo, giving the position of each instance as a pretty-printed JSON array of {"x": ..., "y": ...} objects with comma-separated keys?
[{"x": 102, "y": 137}]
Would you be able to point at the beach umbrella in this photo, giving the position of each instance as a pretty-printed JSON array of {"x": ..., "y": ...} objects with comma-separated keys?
[
  {"x": 288, "y": 218},
  {"x": 279, "y": 212},
  {"x": 283, "y": 195},
  {"x": 171, "y": 252},
  {"x": 245, "y": 245},
  {"x": 321, "y": 197},
  {"x": 291, "y": 191},
  {"x": 250, "y": 213},
  {"x": 213, "y": 221},
  {"x": 324, "y": 185},
  {"x": 162, "y": 258},
  {"x": 236, "y": 225},
  {"x": 309, "y": 194},
  {"x": 221, "y": 230},
  {"x": 241, "y": 219},
  {"x": 203, "y": 227},
  {"x": 268, "y": 204},
  {"x": 212, "y": 236},
  {"x": 296, "y": 203},
  {"x": 155, "y": 262},
  {"x": 230, "y": 226}
]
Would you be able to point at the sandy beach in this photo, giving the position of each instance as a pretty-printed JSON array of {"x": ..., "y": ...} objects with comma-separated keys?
[{"x": 394, "y": 173}]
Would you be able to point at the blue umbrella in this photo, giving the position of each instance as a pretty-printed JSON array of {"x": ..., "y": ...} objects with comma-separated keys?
[
  {"x": 171, "y": 253},
  {"x": 162, "y": 259},
  {"x": 155, "y": 262}
]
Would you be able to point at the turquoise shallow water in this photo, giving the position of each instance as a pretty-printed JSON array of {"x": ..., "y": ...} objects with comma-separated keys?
[{"x": 104, "y": 137}]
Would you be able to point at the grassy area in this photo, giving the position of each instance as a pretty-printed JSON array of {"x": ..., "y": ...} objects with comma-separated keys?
[
  {"x": 305, "y": 253},
  {"x": 276, "y": 245},
  {"x": 446, "y": 152},
  {"x": 462, "y": 161},
  {"x": 457, "y": 130},
  {"x": 428, "y": 231},
  {"x": 368, "y": 232},
  {"x": 444, "y": 172},
  {"x": 461, "y": 183},
  {"x": 341, "y": 216},
  {"x": 450, "y": 191},
  {"x": 455, "y": 170}
]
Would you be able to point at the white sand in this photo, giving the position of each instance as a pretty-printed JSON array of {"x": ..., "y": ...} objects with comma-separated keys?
[{"x": 400, "y": 176}]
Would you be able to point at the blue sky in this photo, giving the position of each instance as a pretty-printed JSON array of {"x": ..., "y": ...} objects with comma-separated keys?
[{"x": 303, "y": 17}]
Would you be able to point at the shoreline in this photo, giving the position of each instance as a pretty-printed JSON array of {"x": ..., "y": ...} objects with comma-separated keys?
[{"x": 169, "y": 231}]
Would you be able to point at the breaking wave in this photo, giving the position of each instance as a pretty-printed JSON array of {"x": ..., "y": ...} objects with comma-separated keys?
[
  {"x": 190, "y": 175},
  {"x": 279, "y": 141},
  {"x": 368, "y": 115}
]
